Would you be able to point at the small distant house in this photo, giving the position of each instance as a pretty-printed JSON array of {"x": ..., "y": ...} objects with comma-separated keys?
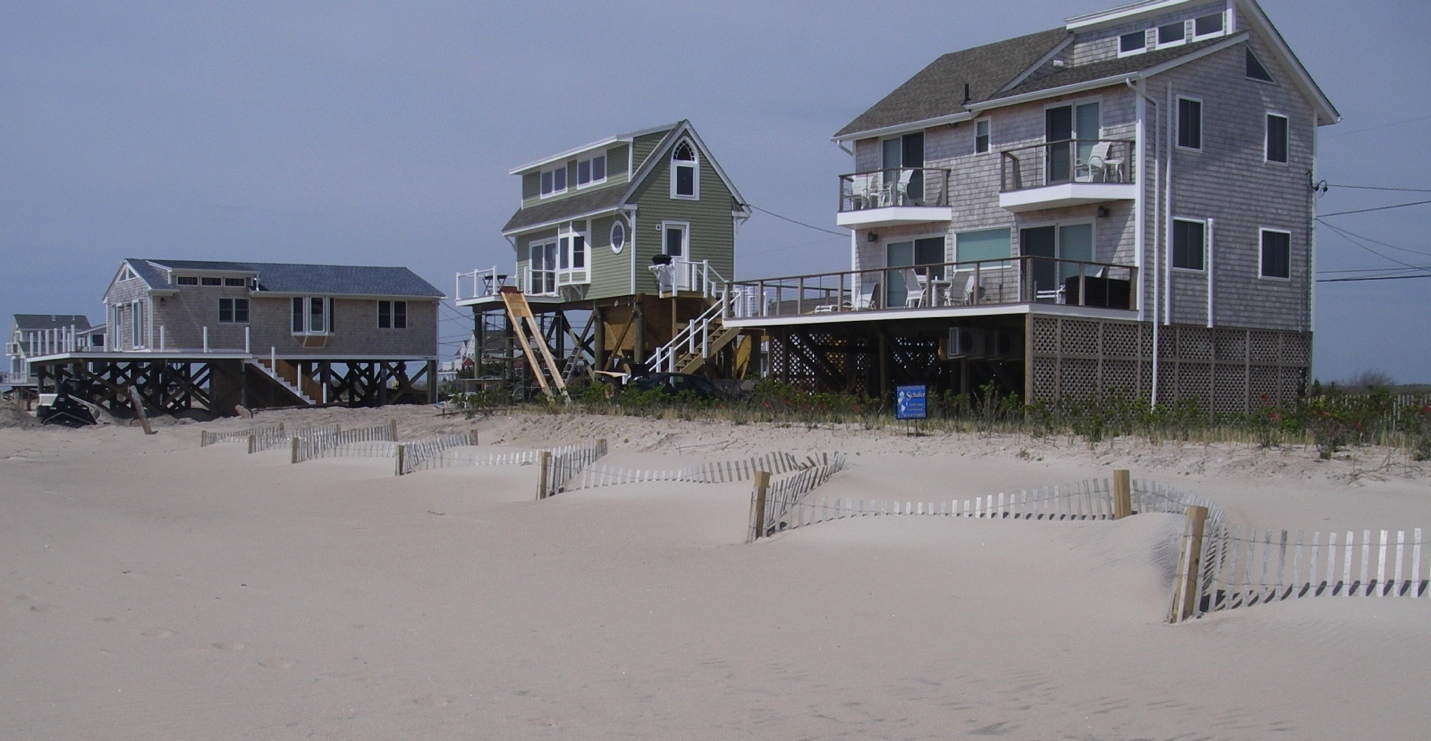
[{"x": 34, "y": 335}]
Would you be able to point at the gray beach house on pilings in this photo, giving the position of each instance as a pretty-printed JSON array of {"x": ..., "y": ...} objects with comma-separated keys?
[
  {"x": 212, "y": 335},
  {"x": 1119, "y": 205}
]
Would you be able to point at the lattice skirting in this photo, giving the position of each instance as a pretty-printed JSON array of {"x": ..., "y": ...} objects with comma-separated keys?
[{"x": 1227, "y": 370}]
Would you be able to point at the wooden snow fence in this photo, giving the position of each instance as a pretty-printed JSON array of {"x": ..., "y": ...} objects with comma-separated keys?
[
  {"x": 267, "y": 437},
  {"x": 560, "y": 465},
  {"x": 705, "y": 473},
  {"x": 1240, "y": 566},
  {"x": 207, "y": 438},
  {"x": 424, "y": 454},
  {"x": 344, "y": 443},
  {"x": 772, "y": 504}
]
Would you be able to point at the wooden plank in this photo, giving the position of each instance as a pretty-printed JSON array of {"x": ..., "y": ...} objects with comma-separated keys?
[
  {"x": 1416, "y": 562},
  {"x": 1365, "y": 561},
  {"x": 1281, "y": 564},
  {"x": 1400, "y": 551},
  {"x": 1381, "y": 566}
]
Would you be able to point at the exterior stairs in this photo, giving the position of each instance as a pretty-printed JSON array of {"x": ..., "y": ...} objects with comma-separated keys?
[
  {"x": 529, "y": 334},
  {"x": 698, "y": 343},
  {"x": 280, "y": 376}
]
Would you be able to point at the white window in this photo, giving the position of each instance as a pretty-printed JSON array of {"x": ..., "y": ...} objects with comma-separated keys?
[
  {"x": 127, "y": 274},
  {"x": 554, "y": 181},
  {"x": 136, "y": 322},
  {"x": 392, "y": 315},
  {"x": 187, "y": 280},
  {"x": 1276, "y": 138},
  {"x": 981, "y": 136},
  {"x": 1132, "y": 43},
  {"x": 685, "y": 172},
  {"x": 1276, "y": 254},
  {"x": 591, "y": 171},
  {"x": 677, "y": 239},
  {"x": 235, "y": 282},
  {"x": 541, "y": 268},
  {"x": 210, "y": 280},
  {"x": 1207, "y": 26},
  {"x": 311, "y": 315},
  {"x": 233, "y": 311},
  {"x": 1172, "y": 34},
  {"x": 572, "y": 259},
  {"x": 1189, "y": 244},
  {"x": 618, "y": 236}
]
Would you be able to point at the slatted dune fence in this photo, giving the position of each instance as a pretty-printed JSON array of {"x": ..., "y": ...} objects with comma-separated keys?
[
  {"x": 327, "y": 444},
  {"x": 769, "y": 509},
  {"x": 267, "y": 437},
  {"x": 1243, "y": 566},
  {"x": 564, "y": 464},
  {"x": 705, "y": 473},
  {"x": 207, "y": 438},
  {"x": 424, "y": 454}
]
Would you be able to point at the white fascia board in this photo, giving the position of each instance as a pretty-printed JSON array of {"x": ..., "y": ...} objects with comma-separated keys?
[
  {"x": 1122, "y": 14},
  {"x": 574, "y": 217},
  {"x": 608, "y": 141},
  {"x": 1045, "y": 59},
  {"x": 1326, "y": 112},
  {"x": 330, "y": 294},
  {"x": 710, "y": 158},
  {"x": 905, "y": 128}
]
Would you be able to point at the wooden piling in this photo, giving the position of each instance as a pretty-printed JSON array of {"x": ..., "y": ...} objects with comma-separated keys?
[
  {"x": 544, "y": 461},
  {"x": 139, "y": 410},
  {"x": 293, "y": 450},
  {"x": 471, "y": 437},
  {"x": 252, "y": 443},
  {"x": 757, "y": 514},
  {"x": 1189, "y": 565},
  {"x": 392, "y": 430},
  {"x": 1122, "y": 493},
  {"x": 401, "y": 456}
]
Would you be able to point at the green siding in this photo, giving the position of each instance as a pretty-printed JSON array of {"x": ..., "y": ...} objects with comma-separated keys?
[
  {"x": 641, "y": 146},
  {"x": 531, "y": 186},
  {"x": 610, "y": 272},
  {"x": 616, "y": 162},
  {"x": 712, "y": 234}
]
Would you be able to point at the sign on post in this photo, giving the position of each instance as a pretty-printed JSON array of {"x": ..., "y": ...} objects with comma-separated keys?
[{"x": 909, "y": 402}]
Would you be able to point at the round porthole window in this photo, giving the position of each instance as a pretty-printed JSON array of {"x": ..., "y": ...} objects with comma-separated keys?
[{"x": 618, "y": 237}]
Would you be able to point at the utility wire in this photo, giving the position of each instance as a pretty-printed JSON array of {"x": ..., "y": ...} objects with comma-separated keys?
[
  {"x": 801, "y": 223},
  {"x": 1377, "y": 187},
  {"x": 1378, "y": 208},
  {"x": 1348, "y": 236},
  {"x": 1379, "y": 277},
  {"x": 1374, "y": 128}
]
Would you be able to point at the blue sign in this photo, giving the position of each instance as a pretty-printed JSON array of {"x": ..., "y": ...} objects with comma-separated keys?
[{"x": 909, "y": 402}]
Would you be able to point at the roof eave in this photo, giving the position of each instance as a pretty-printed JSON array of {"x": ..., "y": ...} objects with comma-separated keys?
[
  {"x": 903, "y": 128},
  {"x": 1327, "y": 113},
  {"x": 608, "y": 141},
  {"x": 549, "y": 223}
]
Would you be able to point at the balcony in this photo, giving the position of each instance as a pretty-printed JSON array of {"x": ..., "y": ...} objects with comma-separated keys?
[
  {"x": 1076, "y": 172},
  {"x": 905, "y": 195},
  {"x": 957, "y": 285}
]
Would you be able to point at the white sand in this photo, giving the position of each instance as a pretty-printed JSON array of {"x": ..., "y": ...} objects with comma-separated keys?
[{"x": 153, "y": 589}]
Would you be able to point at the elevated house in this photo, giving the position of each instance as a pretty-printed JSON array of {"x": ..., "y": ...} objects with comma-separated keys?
[
  {"x": 636, "y": 232},
  {"x": 33, "y": 335},
  {"x": 188, "y": 333},
  {"x": 1119, "y": 205}
]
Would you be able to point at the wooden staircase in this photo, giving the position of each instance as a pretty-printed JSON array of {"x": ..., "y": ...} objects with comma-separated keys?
[
  {"x": 529, "y": 333},
  {"x": 700, "y": 342},
  {"x": 300, "y": 388}
]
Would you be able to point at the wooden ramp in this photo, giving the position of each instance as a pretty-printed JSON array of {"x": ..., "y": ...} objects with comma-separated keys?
[{"x": 529, "y": 333}]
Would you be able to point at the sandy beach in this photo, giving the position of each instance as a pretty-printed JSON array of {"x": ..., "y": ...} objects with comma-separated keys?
[{"x": 153, "y": 589}]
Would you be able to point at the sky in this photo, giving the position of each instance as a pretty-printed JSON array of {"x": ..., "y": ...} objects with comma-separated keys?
[{"x": 382, "y": 133}]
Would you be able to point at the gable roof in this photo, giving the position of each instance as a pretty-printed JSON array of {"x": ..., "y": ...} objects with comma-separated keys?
[
  {"x": 610, "y": 198},
  {"x": 627, "y": 137},
  {"x": 31, "y": 322},
  {"x": 938, "y": 90},
  {"x": 294, "y": 278},
  {"x": 1121, "y": 67}
]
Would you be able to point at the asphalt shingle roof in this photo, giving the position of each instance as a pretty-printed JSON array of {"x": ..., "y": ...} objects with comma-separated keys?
[
  {"x": 564, "y": 208},
  {"x": 330, "y": 280},
  {"x": 31, "y": 322},
  {"x": 1109, "y": 68}
]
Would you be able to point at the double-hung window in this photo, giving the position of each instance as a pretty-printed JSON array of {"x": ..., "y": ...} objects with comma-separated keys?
[
  {"x": 392, "y": 315},
  {"x": 685, "y": 172},
  {"x": 233, "y": 311},
  {"x": 1276, "y": 138},
  {"x": 981, "y": 136},
  {"x": 1189, "y": 244},
  {"x": 1189, "y": 123},
  {"x": 591, "y": 171},
  {"x": 1276, "y": 254},
  {"x": 542, "y": 268},
  {"x": 554, "y": 180},
  {"x": 312, "y": 315}
]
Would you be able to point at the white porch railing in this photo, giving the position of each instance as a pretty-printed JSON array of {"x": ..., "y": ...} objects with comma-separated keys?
[
  {"x": 479, "y": 284},
  {"x": 696, "y": 337}
]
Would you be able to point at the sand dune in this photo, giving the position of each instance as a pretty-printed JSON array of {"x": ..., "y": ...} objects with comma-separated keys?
[{"x": 153, "y": 589}]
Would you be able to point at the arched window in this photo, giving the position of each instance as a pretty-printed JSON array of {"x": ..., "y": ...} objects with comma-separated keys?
[{"x": 685, "y": 172}]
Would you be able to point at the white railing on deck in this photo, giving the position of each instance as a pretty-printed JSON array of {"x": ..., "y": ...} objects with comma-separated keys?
[
  {"x": 694, "y": 338},
  {"x": 478, "y": 284}
]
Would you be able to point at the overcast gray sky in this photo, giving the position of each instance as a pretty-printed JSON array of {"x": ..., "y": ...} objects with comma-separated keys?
[{"x": 381, "y": 133}]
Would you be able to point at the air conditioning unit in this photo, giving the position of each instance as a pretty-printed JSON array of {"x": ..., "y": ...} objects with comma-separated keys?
[{"x": 965, "y": 342}]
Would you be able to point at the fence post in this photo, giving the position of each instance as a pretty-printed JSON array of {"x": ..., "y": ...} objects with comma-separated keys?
[
  {"x": 544, "y": 462},
  {"x": 252, "y": 443},
  {"x": 401, "y": 455},
  {"x": 1122, "y": 493},
  {"x": 392, "y": 430},
  {"x": 757, "y": 515},
  {"x": 471, "y": 437},
  {"x": 293, "y": 450},
  {"x": 1189, "y": 565}
]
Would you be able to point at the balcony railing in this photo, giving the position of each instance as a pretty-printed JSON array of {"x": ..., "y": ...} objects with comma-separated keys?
[
  {"x": 479, "y": 284},
  {"x": 1014, "y": 280},
  {"x": 903, "y": 186},
  {"x": 1070, "y": 161}
]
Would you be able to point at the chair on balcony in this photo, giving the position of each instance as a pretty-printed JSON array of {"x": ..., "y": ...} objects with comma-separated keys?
[
  {"x": 970, "y": 292},
  {"x": 913, "y": 288},
  {"x": 1099, "y": 161},
  {"x": 901, "y": 193},
  {"x": 864, "y": 299},
  {"x": 863, "y": 192}
]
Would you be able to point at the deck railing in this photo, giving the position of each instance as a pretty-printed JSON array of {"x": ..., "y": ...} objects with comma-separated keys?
[
  {"x": 479, "y": 284},
  {"x": 1069, "y": 161},
  {"x": 1013, "y": 280},
  {"x": 900, "y": 186}
]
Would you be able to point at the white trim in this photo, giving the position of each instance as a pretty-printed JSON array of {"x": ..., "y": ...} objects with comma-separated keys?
[
  {"x": 329, "y": 321},
  {"x": 1261, "y": 275},
  {"x": 1172, "y": 244},
  {"x": 1140, "y": 50},
  {"x": 392, "y": 314},
  {"x": 616, "y": 224},
  {"x": 545, "y": 225},
  {"x": 542, "y": 192},
  {"x": 1178, "y": 139},
  {"x": 543, "y": 243},
  {"x": 1220, "y": 32},
  {"x": 1159, "y": 44},
  {"x": 685, "y": 227},
  {"x": 1193, "y": 56},
  {"x": 590, "y": 163},
  {"x": 1267, "y": 138},
  {"x": 1211, "y": 240},
  {"x": 1258, "y": 19},
  {"x": 1271, "y": 79},
  {"x": 627, "y": 138},
  {"x": 989, "y": 137},
  {"x": 1036, "y": 66},
  {"x": 694, "y": 163},
  {"x": 1120, "y": 14},
  {"x": 908, "y": 128}
]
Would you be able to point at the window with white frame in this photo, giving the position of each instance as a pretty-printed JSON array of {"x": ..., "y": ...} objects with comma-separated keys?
[
  {"x": 1255, "y": 70},
  {"x": 235, "y": 282},
  {"x": 1189, "y": 123},
  {"x": 591, "y": 171},
  {"x": 1189, "y": 244},
  {"x": 1276, "y": 138},
  {"x": 1132, "y": 43},
  {"x": 677, "y": 239},
  {"x": 542, "y": 268},
  {"x": 685, "y": 172},
  {"x": 187, "y": 280},
  {"x": 136, "y": 323},
  {"x": 211, "y": 280},
  {"x": 311, "y": 315},
  {"x": 392, "y": 315},
  {"x": 1207, "y": 26},
  {"x": 618, "y": 236},
  {"x": 233, "y": 311},
  {"x": 1276, "y": 254},
  {"x": 572, "y": 259},
  {"x": 554, "y": 181},
  {"x": 981, "y": 136},
  {"x": 1172, "y": 34}
]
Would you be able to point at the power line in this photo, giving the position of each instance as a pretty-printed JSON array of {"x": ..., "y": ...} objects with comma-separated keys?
[
  {"x": 1374, "y": 128},
  {"x": 1377, "y": 187},
  {"x": 1348, "y": 236},
  {"x": 1378, "y": 208},
  {"x": 801, "y": 223},
  {"x": 1373, "y": 241},
  {"x": 1380, "y": 277}
]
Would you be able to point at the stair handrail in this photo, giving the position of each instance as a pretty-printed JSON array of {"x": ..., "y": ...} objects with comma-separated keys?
[{"x": 665, "y": 356}]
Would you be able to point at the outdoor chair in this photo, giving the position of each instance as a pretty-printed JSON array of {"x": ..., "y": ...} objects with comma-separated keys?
[
  {"x": 913, "y": 289},
  {"x": 864, "y": 299},
  {"x": 1097, "y": 162}
]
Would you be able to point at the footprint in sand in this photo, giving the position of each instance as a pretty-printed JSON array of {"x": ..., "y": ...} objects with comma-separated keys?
[
  {"x": 276, "y": 662},
  {"x": 41, "y": 608},
  {"x": 229, "y": 646},
  {"x": 157, "y": 633}
]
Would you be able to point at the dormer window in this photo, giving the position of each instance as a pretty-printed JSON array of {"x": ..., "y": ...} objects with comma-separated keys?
[
  {"x": 235, "y": 282},
  {"x": 209, "y": 280},
  {"x": 1208, "y": 25},
  {"x": 554, "y": 181},
  {"x": 685, "y": 168},
  {"x": 187, "y": 280},
  {"x": 591, "y": 171},
  {"x": 1172, "y": 34},
  {"x": 1132, "y": 43}
]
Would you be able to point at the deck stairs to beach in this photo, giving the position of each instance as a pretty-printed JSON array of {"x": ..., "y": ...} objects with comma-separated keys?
[
  {"x": 699, "y": 342},
  {"x": 529, "y": 334},
  {"x": 280, "y": 371}
]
